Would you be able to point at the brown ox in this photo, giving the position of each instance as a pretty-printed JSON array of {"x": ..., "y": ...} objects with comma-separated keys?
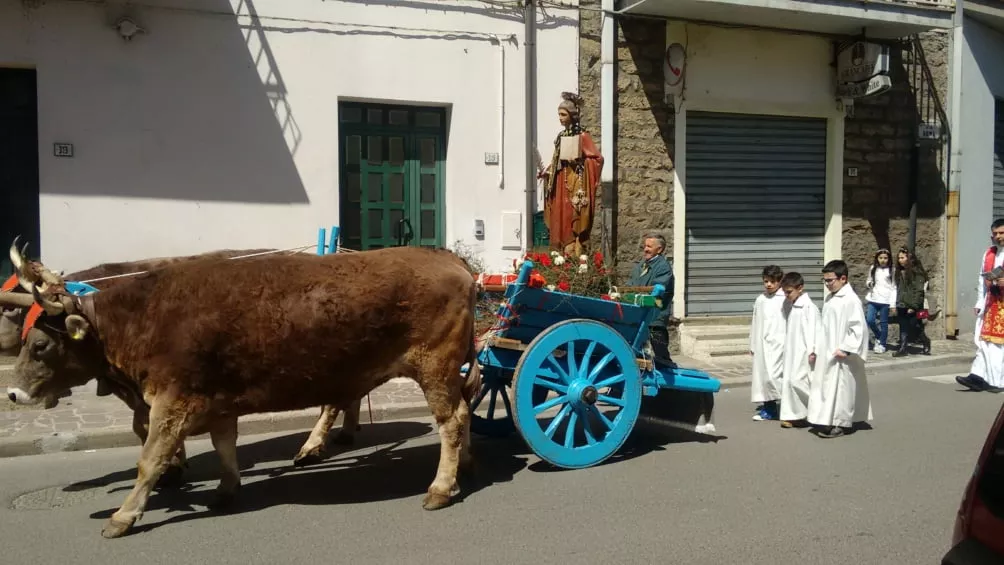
[
  {"x": 12, "y": 322},
  {"x": 208, "y": 341}
]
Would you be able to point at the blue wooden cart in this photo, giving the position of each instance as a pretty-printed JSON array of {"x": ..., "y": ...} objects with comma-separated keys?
[{"x": 577, "y": 368}]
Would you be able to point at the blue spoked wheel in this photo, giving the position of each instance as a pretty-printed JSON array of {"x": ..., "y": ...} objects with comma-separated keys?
[
  {"x": 594, "y": 393},
  {"x": 496, "y": 420}
]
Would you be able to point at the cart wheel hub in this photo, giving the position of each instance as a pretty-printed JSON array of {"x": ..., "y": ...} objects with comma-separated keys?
[{"x": 589, "y": 395}]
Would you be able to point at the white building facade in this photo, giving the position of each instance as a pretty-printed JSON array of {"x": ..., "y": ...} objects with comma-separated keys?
[{"x": 240, "y": 124}]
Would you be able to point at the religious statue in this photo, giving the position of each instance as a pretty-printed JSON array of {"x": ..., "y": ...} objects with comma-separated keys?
[{"x": 571, "y": 181}]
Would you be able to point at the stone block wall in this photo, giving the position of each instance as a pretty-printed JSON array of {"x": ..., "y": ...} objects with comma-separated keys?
[
  {"x": 645, "y": 127},
  {"x": 879, "y": 138}
]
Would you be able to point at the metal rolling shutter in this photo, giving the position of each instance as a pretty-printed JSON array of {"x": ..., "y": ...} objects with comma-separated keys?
[
  {"x": 756, "y": 188},
  {"x": 998, "y": 157}
]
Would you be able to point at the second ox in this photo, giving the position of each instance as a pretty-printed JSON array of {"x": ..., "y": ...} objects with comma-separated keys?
[{"x": 107, "y": 275}]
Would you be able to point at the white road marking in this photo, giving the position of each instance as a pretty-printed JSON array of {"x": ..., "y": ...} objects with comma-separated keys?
[{"x": 940, "y": 379}]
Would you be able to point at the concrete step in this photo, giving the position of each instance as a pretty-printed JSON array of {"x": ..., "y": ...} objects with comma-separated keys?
[{"x": 707, "y": 342}]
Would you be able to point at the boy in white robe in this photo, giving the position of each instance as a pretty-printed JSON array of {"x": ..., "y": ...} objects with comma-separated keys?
[
  {"x": 803, "y": 322},
  {"x": 838, "y": 398},
  {"x": 767, "y": 345}
]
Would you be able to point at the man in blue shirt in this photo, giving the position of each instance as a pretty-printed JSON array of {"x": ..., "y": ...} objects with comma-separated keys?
[{"x": 652, "y": 270}]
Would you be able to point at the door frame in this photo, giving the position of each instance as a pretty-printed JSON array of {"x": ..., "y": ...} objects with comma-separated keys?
[
  {"x": 411, "y": 132},
  {"x": 833, "y": 206}
]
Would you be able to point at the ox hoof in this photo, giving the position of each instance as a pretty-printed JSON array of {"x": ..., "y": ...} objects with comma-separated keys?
[
  {"x": 115, "y": 529},
  {"x": 312, "y": 457},
  {"x": 435, "y": 501},
  {"x": 343, "y": 438},
  {"x": 173, "y": 477}
]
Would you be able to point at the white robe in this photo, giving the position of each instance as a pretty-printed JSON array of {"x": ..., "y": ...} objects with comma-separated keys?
[
  {"x": 989, "y": 360},
  {"x": 839, "y": 393},
  {"x": 767, "y": 346},
  {"x": 800, "y": 341}
]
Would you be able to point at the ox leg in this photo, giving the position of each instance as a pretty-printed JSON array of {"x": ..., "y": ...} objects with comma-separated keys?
[
  {"x": 706, "y": 423},
  {"x": 452, "y": 415},
  {"x": 166, "y": 434},
  {"x": 313, "y": 449},
  {"x": 224, "y": 437},
  {"x": 173, "y": 477},
  {"x": 350, "y": 424}
]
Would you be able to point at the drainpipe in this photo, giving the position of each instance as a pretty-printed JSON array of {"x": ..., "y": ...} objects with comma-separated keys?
[
  {"x": 530, "y": 41},
  {"x": 954, "y": 166},
  {"x": 501, "y": 184},
  {"x": 608, "y": 60}
]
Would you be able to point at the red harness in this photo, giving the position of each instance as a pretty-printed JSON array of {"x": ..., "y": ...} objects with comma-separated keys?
[{"x": 33, "y": 313}]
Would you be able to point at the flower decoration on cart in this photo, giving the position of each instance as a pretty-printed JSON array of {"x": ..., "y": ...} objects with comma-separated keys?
[{"x": 584, "y": 275}]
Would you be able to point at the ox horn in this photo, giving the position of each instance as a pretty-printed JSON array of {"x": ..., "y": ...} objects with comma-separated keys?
[
  {"x": 16, "y": 300},
  {"x": 17, "y": 259},
  {"x": 31, "y": 271},
  {"x": 51, "y": 307}
]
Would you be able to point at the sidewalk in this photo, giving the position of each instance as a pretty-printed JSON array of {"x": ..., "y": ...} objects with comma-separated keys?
[{"x": 85, "y": 421}]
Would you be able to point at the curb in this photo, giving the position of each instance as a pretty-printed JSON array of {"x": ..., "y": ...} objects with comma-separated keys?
[{"x": 300, "y": 420}]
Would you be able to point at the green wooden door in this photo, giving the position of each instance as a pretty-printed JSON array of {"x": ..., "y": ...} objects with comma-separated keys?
[{"x": 391, "y": 167}]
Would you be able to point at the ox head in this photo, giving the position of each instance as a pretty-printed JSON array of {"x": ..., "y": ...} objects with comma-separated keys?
[{"x": 53, "y": 336}]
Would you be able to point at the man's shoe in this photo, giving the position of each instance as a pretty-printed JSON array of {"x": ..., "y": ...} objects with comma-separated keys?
[{"x": 973, "y": 382}]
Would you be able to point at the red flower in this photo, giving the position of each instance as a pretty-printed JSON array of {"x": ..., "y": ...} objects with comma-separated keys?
[
  {"x": 564, "y": 286},
  {"x": 598, "y": 259},
  {"x": 544, "y": 259}
]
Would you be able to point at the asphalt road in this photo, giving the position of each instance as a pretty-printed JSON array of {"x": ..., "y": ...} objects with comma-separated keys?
[{"x": 760, "y": 494}]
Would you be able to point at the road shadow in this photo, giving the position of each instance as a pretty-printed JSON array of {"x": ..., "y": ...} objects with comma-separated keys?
[
  {"x": 382, "y": 470},
  {"x": 650, "y": 434},
  {"x": 205, "y": 466}
]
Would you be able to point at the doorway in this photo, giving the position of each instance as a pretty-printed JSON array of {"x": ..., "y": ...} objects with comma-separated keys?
[
  {"x": 19, "y": 212},
  {"x": 391, "y": 175}
]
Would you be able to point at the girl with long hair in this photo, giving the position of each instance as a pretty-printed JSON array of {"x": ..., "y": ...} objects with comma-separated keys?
[
  {"x": 910, "y": 280},
  {"x": 881, "y": 297}
]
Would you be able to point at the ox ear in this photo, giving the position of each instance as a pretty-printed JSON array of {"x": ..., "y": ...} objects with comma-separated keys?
[{"x": 77, "y": 326}]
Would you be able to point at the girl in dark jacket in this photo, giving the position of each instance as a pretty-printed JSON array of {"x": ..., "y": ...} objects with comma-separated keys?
[{"x": 910, "y": 280}]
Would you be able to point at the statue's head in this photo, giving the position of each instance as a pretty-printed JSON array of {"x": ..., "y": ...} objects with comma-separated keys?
[{"x": 568, "y": 109}]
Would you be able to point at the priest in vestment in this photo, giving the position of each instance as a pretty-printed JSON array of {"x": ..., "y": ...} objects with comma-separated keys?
[
  {"x": 838, "y": 397},
  {"x": 987, "y": 371},
  {"x": 571, "y": 182}
]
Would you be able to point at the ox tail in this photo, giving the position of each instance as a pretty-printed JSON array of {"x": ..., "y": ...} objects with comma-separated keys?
[{"x": 473, "y": 382}]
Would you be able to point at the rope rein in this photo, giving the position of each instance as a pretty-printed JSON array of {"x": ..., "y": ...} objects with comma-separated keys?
[{"x": 290, "y": 250}]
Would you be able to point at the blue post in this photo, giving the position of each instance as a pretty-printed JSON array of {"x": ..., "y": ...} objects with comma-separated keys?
[
  {"x": 657, "y": 291},
  {"x": 333, "y": 246},
  {"x": 320, "y": 241}
]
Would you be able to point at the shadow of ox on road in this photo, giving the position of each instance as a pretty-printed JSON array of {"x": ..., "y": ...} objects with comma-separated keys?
[{"x": 376, "y": 468}]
